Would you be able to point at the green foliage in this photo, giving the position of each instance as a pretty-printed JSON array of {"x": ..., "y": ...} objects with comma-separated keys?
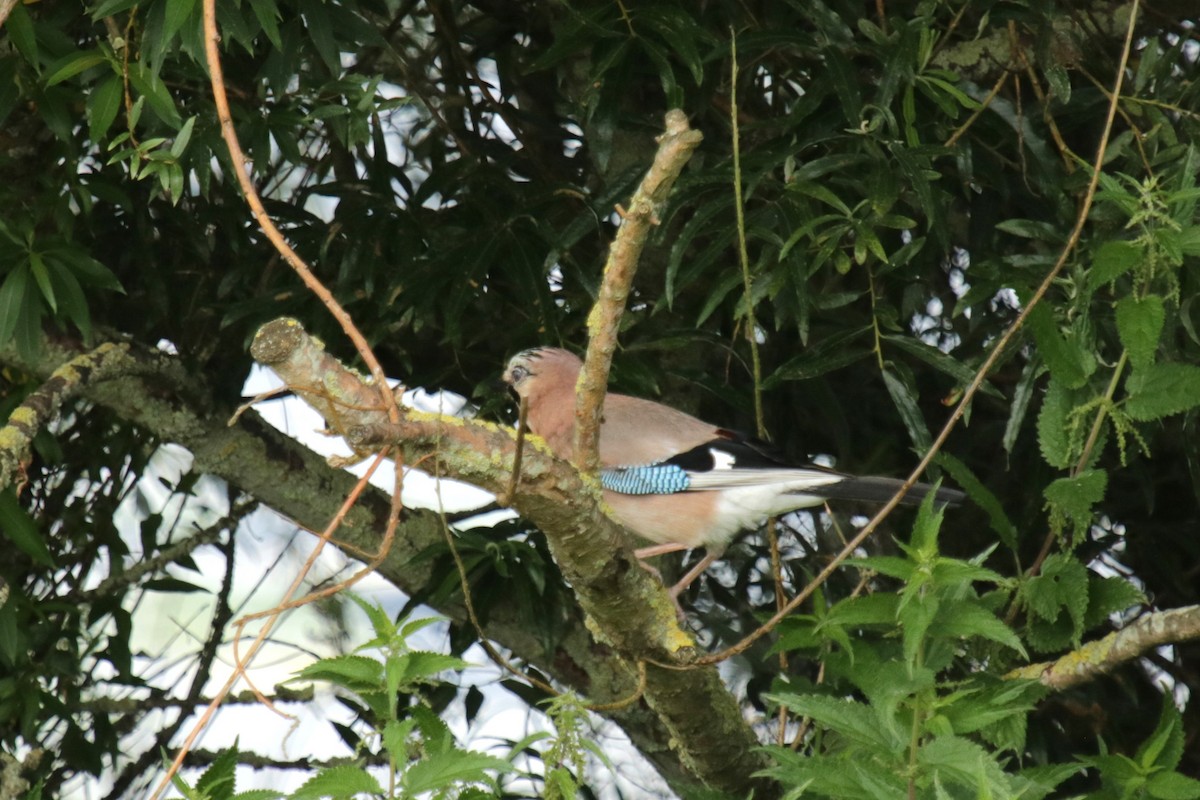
[
  {"x": 1151, "y": 773},
  {"x": 917, "y": 729},
  {"x": 911, "y": 173},
  {"x": 420, "y": 753}
]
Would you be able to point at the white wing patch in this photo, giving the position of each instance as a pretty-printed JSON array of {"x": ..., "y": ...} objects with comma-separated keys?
[
  {"x": 783, "y": 479},
  {"x": 722, "y": 460}
]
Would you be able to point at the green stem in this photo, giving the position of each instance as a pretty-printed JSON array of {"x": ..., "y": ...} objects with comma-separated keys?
[{"x": 743, "y": 252}]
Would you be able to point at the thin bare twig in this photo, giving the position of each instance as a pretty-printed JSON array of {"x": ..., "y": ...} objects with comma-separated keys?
[{"x": 241, "y": 171}]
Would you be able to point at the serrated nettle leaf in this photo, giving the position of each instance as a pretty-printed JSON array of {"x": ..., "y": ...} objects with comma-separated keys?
[
  {"x": 1109, "y": 595},
  {"x": 1160, "y": 390},
  {"x": 1139, "y": 325},
  {"x": 1111, "y": 261},
  {"x": 968, "y": 619},
  {"x": 1074, "y": 497},
  {"x": 419, "y": 665},
  {"x": 340, "y": 781},
  {"x": 450, "y": 768},
  {"x": 1054, "y": 433},
  {"x": 1061, "y": 586},
  {"x": 352, "y": 672}
]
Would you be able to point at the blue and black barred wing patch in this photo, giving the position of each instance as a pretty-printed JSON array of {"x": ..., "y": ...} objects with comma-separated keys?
[{"x": 662, "y": 478}]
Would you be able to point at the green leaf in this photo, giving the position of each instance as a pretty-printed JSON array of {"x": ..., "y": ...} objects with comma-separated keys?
[
  {"x": 19, "y": 28},
  {"x": 960, "y": 372},
  {"x": 982, "y": 497},
  {"x": 37, "y": 268},
  {"x": 419, "y": 666},
  {"x": 70, "y": 66},
  {"x": 1031, "y": 229},
  {"x": 853, "y": 720},
  {"x": 13, "y": 642},
  {"x": 178, "y": 12},
  {"x": 267, "y": 13},
  {"x": 1160, "y": 390},
  {"x": 1053, "y": 435},
  {"x": 1074, "y": 497},
  {"x": 182, "y": 138},
  {"x": 17, "y": 526},
  {"x": 320, "y": 30},
  {"x": 1139, "y": 325},
  {"x": 1067, "y": 361},
  {"x": 337, "y": 782},
  {"x": 1112, "y": 260},
  {"x": 1062, "y": 585},
  {"x": 356, "y": 673},
  {"x": 827, "y": 355},
  {"x": 916, "y": 615},
  {"x": 1164, "y": 748},
  {"x": 219, "y": 779},
  {"x": 871, "y": 609},
  {"x": 157, "y": 95},
  {"x": 1173, "y": 786},
  {"x": 103, "y": 103},
  {"x": 901, "y": 388},
  {"x": 968, "y": 619},
  {"x": 108, "y": 8},
  {"x": 395, "y": 738},
  {"x": 964, "y": 763},
  {"x": 448, "y": 768},
  {"x": 1108, "y": 596},
  {"x": 1020, "y": 403}
]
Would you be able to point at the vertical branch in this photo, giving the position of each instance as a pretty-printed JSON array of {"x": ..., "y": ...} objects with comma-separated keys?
[{"x": 675, "y": 147}]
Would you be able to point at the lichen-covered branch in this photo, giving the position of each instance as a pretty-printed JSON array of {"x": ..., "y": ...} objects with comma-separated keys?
[
  {"x": 16, "y": 437},
  {"x": 1096, "y": 658},
  {"x": 156, "y": 394},
  {"x": 703, "y": 717},
  {"x": 675, "y": 147}
]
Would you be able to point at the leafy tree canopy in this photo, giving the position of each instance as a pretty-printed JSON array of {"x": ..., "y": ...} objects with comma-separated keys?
[{"x": 898, "y": 212}]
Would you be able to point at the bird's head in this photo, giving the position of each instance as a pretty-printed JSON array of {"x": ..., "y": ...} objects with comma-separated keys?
[{"x": 543, "y": 367}]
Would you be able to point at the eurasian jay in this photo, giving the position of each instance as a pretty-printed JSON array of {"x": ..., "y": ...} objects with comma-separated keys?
[{"x": 674, "y": 479}]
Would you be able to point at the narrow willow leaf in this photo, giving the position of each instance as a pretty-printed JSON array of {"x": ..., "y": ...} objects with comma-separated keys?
[
  {"x": 1020, "y": 403},
  {"x": 1063, "y": 356},
  {"x": 902, "y": 389}
]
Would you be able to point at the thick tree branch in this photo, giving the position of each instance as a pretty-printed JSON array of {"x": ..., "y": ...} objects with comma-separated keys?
[
  {"x": 155, "y": 395},
  {"x": 1096, "y": 658},
  {"x": 16, "y": 437},
  {"x": 591, "y": 549}
]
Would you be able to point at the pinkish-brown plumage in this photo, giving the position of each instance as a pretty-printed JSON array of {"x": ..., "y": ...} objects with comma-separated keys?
[{"x": 696, "y": 485}]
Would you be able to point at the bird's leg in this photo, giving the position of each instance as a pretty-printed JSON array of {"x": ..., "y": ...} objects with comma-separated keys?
[
  {"x": 643, "y": 553},
  {"x": 695, "y": 572},
  {"x": 659, "y": 549}
]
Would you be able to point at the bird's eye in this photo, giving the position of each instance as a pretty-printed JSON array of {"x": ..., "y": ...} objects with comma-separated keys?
[{"x": 517, "y": 373}]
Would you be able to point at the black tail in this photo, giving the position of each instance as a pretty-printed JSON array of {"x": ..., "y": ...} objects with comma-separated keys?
[{"x": 880, "y": 490}]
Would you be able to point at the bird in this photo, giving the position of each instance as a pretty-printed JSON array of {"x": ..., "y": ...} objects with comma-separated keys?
[{"x": 676, "y": 480}]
